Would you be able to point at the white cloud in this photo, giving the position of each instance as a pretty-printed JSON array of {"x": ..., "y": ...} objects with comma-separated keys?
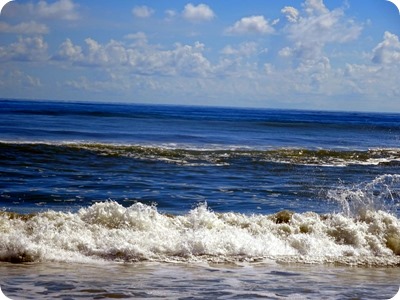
[
  {"x": 139, "y": 39},
  {"x": 310, "y": 32},
  {"x": 373, "y": 82},
  {"x": 62, "y": 9},
  {"x": 65, "y": 10},
  {"x": 379, "y": 80},
  {"x": 25, "y": 49},
  {"x": 199, "y": 13},
  {"x": 188, "y": 60},
  {"x": 112, "y": 54},
  {"x": 93, "y": 54},
  {"x": 244, "y": 49},
  {"x": 286, "y": 52},
  {"x": 317, "y": 72},
  {"x": 89, "y": 85},
  {"x": 253, "y": 24},
  {"x": 314, "y": 7},
  {"x": 309, "y": 69},
  {"x": 70, "y": 52},
  {"x": 292, "y": 14},
  {"x": 16, "y": 78},
  {"x": 136, "y": 36},
  {"x": 31, "y": 27},
  {"x": 388, "y": 51},
  {"x": 142, "y": 11},
  {"x": 138, "y": 58}
]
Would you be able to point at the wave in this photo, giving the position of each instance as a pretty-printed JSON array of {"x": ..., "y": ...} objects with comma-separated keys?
[
  {"x": 107, "y": 231},
  {"x": 215, "y": 155},
  {"x": 382, "y": 193},
  {"x": 246, "y": 116}
]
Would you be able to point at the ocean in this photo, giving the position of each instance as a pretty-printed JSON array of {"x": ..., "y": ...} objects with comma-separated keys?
[{"x": 142, "y": 201}]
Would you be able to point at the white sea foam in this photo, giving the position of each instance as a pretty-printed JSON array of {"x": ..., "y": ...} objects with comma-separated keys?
[{"x": 109, "y": 231}]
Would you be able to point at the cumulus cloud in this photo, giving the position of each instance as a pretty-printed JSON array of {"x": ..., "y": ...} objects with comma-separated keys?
[
  {"x": 314, "y": 7},
  {"x": 31, "y": 27},
  {"x": 62, "y": 9},
  {"x": 373, "y": 81},
  {"x": 70, "y": 51},
  {"x": 311, "y": 30},
  {"x": 253, "y": 24},
  {"x": 65, "y": 10},
  {"x": 307, "y": 31},
  {"x": 379, "y": 78},
  {"x": 111, "y": 54},
  {"x": 388, "y": 51},
  {"x": 142, "y": 11},
  {"x": 93, "y": 54},
  {"x": 138, "y": 39},
  {"x": 199, "y": 13},
  {"x": 90, "y": 85},
  {"x": 244, "y": 49},
  {"x": 16, "y": 78},
  {"x": 140, "y": 58},
  {"x": 182, "y": 60},
  {"x": 25, "y": 49},
  {"x": 291, "y": 13}
]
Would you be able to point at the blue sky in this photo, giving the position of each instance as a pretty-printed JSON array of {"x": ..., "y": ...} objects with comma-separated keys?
[{"x": 311, "y": 54}]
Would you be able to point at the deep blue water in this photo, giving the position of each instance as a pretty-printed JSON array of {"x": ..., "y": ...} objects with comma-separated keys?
[{"x": 70, "y": 155}]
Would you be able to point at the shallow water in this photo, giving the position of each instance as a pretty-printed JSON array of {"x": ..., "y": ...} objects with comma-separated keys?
[{"x": 267, "y": 280}]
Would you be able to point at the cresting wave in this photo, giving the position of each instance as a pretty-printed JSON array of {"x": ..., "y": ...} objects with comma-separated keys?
[
  {"x": 214, "y": 155},
  {"x": 108, "y": 231}
]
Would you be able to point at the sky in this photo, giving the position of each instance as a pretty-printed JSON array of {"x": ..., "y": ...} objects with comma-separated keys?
[{"x": 311, "y": 54}]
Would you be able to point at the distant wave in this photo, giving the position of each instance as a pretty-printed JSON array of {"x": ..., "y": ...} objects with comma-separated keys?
[
  {"x": 365, "y": 233},
  {"x": 254, "y": 117},
  {"x": 218, "y": 155}
]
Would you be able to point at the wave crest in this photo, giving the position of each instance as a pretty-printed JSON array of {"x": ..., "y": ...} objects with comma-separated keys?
[
  {"x": 109, "y": 231},
  {"x": 213, "y": 154}
]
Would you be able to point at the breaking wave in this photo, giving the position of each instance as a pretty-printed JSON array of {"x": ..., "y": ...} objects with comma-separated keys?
[
  {"x": 363, "y": 234},
  {"x": 214, "y": 154}
]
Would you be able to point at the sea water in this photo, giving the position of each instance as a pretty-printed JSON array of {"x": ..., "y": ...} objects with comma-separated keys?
[{"x": 181, "y": 202}]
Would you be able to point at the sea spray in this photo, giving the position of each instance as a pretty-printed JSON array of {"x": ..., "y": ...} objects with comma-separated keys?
[
  {"x": 382, "y": 193},
  {"x": 109, "y": 231}
]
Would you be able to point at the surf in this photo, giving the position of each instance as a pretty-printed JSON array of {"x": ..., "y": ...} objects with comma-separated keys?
[
  {"x": 366, "y": 234},
  {"x": 217, "y": 155}
]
